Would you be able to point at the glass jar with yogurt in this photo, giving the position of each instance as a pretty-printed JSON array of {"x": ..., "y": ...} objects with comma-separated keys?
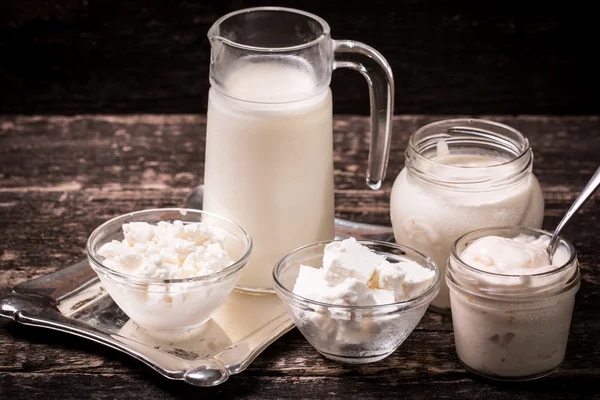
[
  {"x": 461, "y": 175},
  {"x": 511, "y": 305}
]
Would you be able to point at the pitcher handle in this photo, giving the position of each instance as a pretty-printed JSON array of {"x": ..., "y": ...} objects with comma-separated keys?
[{"x": 378, "y": 73}]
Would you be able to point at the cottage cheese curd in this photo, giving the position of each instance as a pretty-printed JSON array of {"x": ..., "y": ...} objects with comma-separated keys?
[
  {"x": 510, "y": 322},
  {"x": 358, "y": 314},
  {"x": 353, "y": 275},
  {"x": 166, "y": 250}
]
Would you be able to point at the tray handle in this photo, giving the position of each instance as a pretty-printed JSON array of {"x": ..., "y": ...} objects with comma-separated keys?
[{"x": 38, "y": 311}]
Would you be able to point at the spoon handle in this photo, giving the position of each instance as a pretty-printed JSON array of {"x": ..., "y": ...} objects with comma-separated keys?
[{"x": 587, "y": 191}]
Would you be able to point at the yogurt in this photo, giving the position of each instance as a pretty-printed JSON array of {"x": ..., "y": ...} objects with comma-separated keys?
[
  {"x": 511, "y": 306},
  {"x": 521, "y": 255},
  {"x": 459, "y": 181}
]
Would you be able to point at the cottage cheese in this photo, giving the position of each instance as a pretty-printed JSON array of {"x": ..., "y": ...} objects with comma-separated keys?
[
  {"x": 349, "y": 259},
  {"x": 166, "y": 250},
  {"x": 353, "y": 275}
]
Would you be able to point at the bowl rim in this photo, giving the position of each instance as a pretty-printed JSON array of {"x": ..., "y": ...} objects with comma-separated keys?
[
  {"x": 96, "y": 263},
  {"x": 431, "y": 290}
]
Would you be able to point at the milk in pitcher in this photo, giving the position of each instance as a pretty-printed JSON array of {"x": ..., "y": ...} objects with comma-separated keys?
[{"x": 269, "y": 161}]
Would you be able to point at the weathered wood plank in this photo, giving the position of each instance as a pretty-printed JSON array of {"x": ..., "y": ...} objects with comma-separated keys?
[
  {"x": 387, "y": 384},
  {"x": 62, "y": 176},
  {"x": 55, "y": 352}
]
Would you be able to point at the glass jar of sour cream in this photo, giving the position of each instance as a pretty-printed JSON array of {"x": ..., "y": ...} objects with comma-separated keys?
[
  {"x": 461, "y": 175},
  {"x": 511, "y": 306}
]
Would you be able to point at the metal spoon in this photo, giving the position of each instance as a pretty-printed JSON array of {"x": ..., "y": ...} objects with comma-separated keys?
[
  {"x": 587, "y": 191},
  {"x": 343, "y": 227}
]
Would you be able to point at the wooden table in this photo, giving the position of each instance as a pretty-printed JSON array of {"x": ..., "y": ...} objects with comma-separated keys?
[{"x": 62, "y": 176}]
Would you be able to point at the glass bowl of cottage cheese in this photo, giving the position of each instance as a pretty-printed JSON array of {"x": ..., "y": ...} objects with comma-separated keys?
[
  {"x": 169, "y": 269},
  {"x": 356, "y": 301},
  {"x": 511, "y": 303}
]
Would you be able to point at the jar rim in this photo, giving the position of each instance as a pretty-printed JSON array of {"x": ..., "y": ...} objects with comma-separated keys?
[
  {"x": 470, "y": 121},
  {"x": 479, "y": 234},
  {"x": 495, "y": 136}
]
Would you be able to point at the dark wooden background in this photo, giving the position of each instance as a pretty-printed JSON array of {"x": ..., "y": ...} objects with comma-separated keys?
[{"x": 449, "y": 57}]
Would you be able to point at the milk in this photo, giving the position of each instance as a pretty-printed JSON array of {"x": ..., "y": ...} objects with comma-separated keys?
[
  {"x": 429, "y": 218},
  {"x": 269, "y": 162}
]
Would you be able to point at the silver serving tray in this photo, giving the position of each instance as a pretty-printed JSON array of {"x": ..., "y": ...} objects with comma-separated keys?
[{"x": 72, "y": 300}]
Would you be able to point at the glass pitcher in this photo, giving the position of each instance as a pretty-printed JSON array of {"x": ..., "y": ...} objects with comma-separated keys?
[{"x": 269, "y": 156}]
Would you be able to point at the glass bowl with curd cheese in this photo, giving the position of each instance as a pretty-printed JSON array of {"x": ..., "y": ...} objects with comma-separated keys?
[
  {"x": 169, "y": 269},
  {"x": 511, "y": 303},
  {"x": 356, "y": 301}
]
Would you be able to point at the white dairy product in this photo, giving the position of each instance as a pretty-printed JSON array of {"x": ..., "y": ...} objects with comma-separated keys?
[
  {"x": 349, "y": 259},
  {"x": 311, "y": 283},
  {"x": 416, "y": 279},
  {"x": 354, "y": 275},
  {"x": 360, "y": 278},
  {"x": 166, "y": 250},
  {"x": 269, "y": 166},
  {"x": 505, "y": 325},
  {"x": 441, "y": 149},
  {"x": 388, "y": 276},
  {"x": 429, "y": 217},
  {"x": 351, "y": 292},
  {"x": 270, "y": 81},
  {"x": 521, "y": 255},
  {"x": 382, "y": 296}
]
